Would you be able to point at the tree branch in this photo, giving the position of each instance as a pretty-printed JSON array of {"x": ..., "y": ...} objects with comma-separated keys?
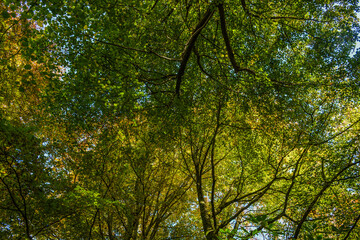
[
  {"x": 312, "y": 204},
  {"x": 243, "y": 4},
  {"x": 190, "y": 45},
  {"x": 227, "y": 42},
  {"x": 133, "y": 49},
  {"x": 352, "y": 228}
]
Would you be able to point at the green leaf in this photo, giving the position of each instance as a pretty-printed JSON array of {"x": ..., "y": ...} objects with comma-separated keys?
[
  {"x": 5, "y": 14},
  {"x": 27, "y": 67}
]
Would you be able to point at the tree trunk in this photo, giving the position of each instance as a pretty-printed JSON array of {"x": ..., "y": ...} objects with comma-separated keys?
[{"x": 205, "y": 217}]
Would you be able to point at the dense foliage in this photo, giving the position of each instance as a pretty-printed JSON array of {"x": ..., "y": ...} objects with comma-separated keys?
[{"x": 179, "y": 119}]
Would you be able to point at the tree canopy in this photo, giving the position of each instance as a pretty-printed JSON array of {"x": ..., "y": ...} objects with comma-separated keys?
[{"x": 179, "y": 119}]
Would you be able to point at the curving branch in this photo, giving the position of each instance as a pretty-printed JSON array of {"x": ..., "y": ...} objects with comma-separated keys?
[
  {"x": 254, "y": 199},
  {"x": 320, "y": 194},
  {"x": 258, "y": 15},
  {"x": 132, "y": 49},
  {"x": 227, "y": 43},
  {"x": 190, "y": 45},
  {"x": 352, "y": 228}
]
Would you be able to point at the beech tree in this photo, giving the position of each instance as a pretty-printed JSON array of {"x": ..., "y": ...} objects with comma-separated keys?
[{"x": 185, "y": 119}]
